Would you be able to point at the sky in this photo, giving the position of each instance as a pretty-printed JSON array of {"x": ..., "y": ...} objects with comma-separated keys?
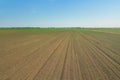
[{"x": 59, "y": 13}]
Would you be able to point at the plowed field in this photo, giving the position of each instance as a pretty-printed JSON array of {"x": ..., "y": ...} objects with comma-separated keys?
[{"x": 66, "y": 54}]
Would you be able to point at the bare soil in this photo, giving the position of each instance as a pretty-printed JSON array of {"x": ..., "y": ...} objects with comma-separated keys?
[{"x": 62, "y": 55}]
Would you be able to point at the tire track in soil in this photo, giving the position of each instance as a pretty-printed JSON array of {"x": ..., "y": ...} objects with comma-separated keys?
[
  {"x": 37, "y": 71},
  {"x": 82, "y": 59},
  {"x": 65, "y": 58},
  {"x": 66, "y": 66},
  {"x": 108, "y": 64},
  {"x": 105, "y": 41},
  {"x": 56, "y": 73},
  {"x": 58, "y": 67},
  {"x": 90, "y": 63},
  {"x": 86, "y": 73},
  {"x": 59, "y": 43},
  {"x": 18, "y": 56},
  {"x": 110, "y": 58},
  {"x": 77, "y": 69},
  {"x": 25, "y": 60},
  {"x": 70, "y": 55},
  {"x": 95, "y": 69},
  {"x": 41, "y": 68},
  {"x": 104, "y": 65}
]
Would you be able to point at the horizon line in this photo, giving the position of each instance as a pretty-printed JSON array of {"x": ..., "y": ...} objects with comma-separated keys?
[{"x": 56, "y": 27}]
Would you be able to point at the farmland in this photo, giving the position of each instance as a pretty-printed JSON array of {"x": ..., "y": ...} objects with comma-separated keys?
[{"x": 59, "y": 54}]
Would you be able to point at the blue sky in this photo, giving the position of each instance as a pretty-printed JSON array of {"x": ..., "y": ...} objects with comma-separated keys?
[{"x": 60, "y": 13}]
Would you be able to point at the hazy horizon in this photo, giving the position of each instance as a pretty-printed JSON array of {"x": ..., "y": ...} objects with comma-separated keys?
[{"x": 60, "y": 13}]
